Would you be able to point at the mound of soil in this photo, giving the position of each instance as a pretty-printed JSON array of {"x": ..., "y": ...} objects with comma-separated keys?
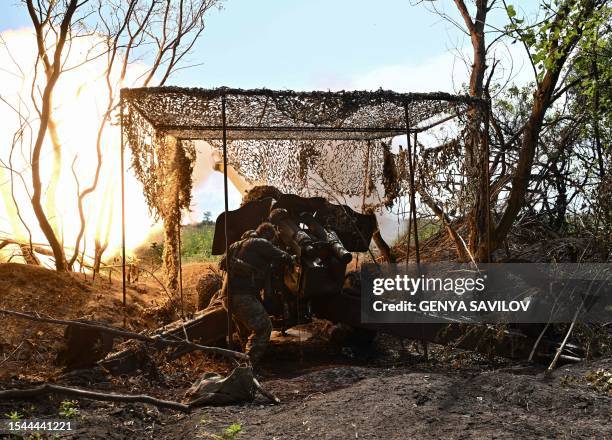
[
  {"x": 402, "y": 403},
  {"x": 28, "y": 348}
]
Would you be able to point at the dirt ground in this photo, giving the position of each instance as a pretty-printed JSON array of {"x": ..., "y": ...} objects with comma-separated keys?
[
  {"x": 28, "y": 347},
  {"x": 417, "y": 401},
  {"x": 387, "y": 391}
]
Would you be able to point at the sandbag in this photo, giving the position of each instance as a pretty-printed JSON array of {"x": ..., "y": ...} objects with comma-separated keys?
[{"x": 214, "y": 389}]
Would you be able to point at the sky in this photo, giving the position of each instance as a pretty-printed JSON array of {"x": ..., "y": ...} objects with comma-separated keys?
[
  {"x": 323, "y": 44},
  {"x": 299, "y": 44},
  {"x": 319, "y": 44}
]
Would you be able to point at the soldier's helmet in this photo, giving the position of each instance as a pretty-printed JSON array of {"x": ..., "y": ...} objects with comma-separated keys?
[
  {"x": 249, "y": 234},
  {"x": 278, "y": 215},
  {"x": 266, "y": 230}
]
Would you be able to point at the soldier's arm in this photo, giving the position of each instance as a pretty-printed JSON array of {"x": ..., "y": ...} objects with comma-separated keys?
[
  {"x": 268, "y": 250},
  {"x": 232, "y": 250}
]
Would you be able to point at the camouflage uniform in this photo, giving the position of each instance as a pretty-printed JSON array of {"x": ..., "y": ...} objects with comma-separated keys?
[
  {"x": 245, "y": 289},
  {"x": 250, "y": 312}
]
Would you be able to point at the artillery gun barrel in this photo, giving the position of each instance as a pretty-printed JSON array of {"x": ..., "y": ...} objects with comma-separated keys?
[
  {"x": 338, "y": 248},
  {"x": 329, "y": 236},
  {"x": 291, "y": 234},
  {"x": 302, "y": 242}
]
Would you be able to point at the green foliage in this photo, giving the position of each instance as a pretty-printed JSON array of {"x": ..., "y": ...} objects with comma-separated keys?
[
  {"x": 14, "y": 415},
  {"x": 150, "y": 253},
  {"x": 69, "y": 409},
  {"x": 196, "y": 242},
  {"x": 593, "y": 68},
  {"x": 196, "y": 245},
  {"x": 156, "y": 251},
  {"x": 231, "y": 432},
  {"x": 426, "y": 228},
  {"x": 550, "y": 40}
]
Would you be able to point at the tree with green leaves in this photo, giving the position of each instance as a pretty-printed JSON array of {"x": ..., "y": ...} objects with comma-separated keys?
[
  {"x": 549, "y": 45},
  {"x": 554, "y": 45}
]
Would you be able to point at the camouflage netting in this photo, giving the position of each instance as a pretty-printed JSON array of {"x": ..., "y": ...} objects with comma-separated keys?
[
  {"x": 335, "y": 144},
  {"x": 266, "y": 114},
  {"x": 164, "y": 165},
  {"x": 307, "y": 143}
]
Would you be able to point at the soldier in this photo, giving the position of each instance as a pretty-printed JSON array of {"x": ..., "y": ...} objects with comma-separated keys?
[{"x": 249, "y": 260}]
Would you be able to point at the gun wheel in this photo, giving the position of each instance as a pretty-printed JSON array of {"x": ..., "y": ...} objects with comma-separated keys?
[{"x": 206, "y": 288}]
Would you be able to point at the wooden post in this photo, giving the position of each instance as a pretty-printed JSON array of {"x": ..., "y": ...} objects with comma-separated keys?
[
  {"x": 409, "y": 234},
  {"x": 365, "y": 175}
]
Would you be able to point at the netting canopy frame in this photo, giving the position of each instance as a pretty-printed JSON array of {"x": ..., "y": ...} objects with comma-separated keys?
[
  {"x": 193, "y": 113},
  {"x": 225, "y": 115}
]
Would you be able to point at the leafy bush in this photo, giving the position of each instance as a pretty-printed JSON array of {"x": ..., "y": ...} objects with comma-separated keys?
[
  {"x": 69, "y": 409},
  {"x": 196, "y": 245},
  {"x": 231, "y": 432},
  {"x": 196, "y": 242}
]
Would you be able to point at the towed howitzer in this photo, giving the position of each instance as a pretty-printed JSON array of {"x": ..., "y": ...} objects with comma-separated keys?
[
  {"x": 323, "y": 235},
  {"x": 320, "y": 235},
  {"x": 321, "y": 256}
]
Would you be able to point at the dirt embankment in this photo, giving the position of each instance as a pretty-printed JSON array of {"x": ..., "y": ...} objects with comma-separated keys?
[
  {"x": 28, "y": 348},
  {"x": 401, "y": 403}
]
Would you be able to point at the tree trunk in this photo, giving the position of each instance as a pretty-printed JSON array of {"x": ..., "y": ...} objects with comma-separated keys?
[
  {"x": 53, "y": 72},
  {"x": 529, "y": 142},
  {"x": 476, "y": 164},
  {"x": 50, "y": 202},
  {"x": 45, "y": 226},
  {"x": 383, "y": 247},
  {"x": 98, "y": 252},
  {"x": 476, "y": 155}
]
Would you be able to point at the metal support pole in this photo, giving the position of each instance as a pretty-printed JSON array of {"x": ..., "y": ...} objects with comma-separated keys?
[
  {"x": 409, "y": 233},
  {"x": 123, "y": 285},
  {"x": 365, "y": 175},
  {"x": 180, "y": 262},
  {"x": 412, "y": 187},
  {"x": 414, "y": 216},
  {"x": 227, "y": 261}
]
